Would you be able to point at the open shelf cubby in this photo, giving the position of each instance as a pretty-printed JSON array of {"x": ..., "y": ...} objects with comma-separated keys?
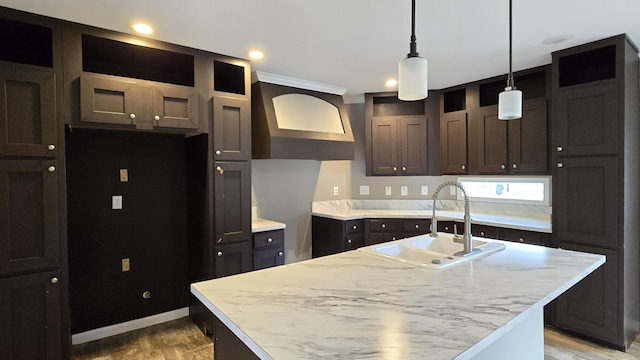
[
  {"x": 587, "y": 66},
  {"x": 392, "y": 106},
  {"x": 106, "y": 56},
  {"x": 25, "y": 43},
  {"x": 455, "y": 100},
  {"x": 228, "y": 77},
  {"x": 533, "y": 86}
]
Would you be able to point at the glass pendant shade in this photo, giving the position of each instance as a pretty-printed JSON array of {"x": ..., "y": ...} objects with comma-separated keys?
[
  {"x": 412, "y": 79},
  {"x": 510, "y": 104}
]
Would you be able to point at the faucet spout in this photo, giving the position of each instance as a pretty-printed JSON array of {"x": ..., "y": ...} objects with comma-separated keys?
[{"x": 468, "y": 246}]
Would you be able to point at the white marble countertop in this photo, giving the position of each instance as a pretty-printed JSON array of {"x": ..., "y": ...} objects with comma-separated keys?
[
  {"x": 354, "y": 305},
  {"x": 507, "y": 221},
  {"x": 260, "y": 225}
]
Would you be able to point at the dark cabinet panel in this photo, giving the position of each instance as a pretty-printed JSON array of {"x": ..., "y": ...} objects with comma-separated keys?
[
  {"x": 590, "y": 307},
  {"x": 331, "y": 236},
  {"x": 492, "y": 142},
  {"x": 587, "y": 191},
  {"x": 28, "y": 215},
  {"x": 384, "y": 146},
  {"x": 30, "y": 317},
  {"x": 227, "y": 345},
  {"x": 27, "y": 111},
  {"x": 266, "y": 258},
  {"x": 587, "y": 119},
  {"x": 232, "y": 201},
  {"x": 175, "y": 107},
  {"x": 528, "y": 139},
  {"x": 232, "y": 259},
  {"x": 109, "y": 101},
  {"x": 413, "y": 135},
  {"x": 231, "y": 129},
  {"x": 485, "y": 231},
  {"x": 453, "y": 142},
  {"x": 523, "y": 236}
]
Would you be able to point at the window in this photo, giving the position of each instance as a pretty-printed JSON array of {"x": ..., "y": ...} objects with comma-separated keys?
[{"x": 511, "y": 190}]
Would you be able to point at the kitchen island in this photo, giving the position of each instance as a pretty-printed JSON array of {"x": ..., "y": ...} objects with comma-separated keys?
[{"x": 355, "y": 305}]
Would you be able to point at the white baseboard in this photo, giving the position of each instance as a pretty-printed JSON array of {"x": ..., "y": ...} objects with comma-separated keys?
[{"x": 124, "y": 327}]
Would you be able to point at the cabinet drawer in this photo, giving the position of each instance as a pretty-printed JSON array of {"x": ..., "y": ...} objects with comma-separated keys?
[
  {"x": 522, "y": 236},
  {"x": 354, "y": 226},
  {"x": 419, "y": 226},
  {"x": 484, "y": 231},
  {"x": 268, "y": 257},
  {"x": 448, "y": 226},
  {"x": 383, "y": 225},
  {"x": 352, "y": 242},
  {"x": 268, "y": 238},
  {"x": 377, "y": 238}
]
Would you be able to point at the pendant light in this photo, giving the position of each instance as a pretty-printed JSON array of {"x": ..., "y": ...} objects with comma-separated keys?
[
  {"x": 510, "y": 100},
  {"x": 412, "y": 71}
]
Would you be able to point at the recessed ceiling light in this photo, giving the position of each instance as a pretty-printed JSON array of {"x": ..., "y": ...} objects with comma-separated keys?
[
  {"x": 391, "y": 82},
  {"x": 255, "y": 54},
  {"x": 556, "y": 39},
  {"x": 143, "y": 28}
]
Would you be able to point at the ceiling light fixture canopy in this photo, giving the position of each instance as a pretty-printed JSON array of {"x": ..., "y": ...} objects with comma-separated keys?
[
  {"x": 412, "y": 71},
  {"x": 510, "y": 100}
]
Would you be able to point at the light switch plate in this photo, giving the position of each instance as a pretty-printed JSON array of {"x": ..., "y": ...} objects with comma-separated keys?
[
  {"x": 404, "y": 190},
  {"x": 424, "y": 190},
  {"x": 452, "y": 190},
  {"x": 116, "y": 202},
  {"x": 124, "y": 175},
  {"x": 336, "y": 191},
  {"x": 364, "y": 189},
  {"x": 387, "y": 190}
]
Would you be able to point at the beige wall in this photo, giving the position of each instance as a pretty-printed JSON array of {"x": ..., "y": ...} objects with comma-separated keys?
[{"x": 283, "y": 190}]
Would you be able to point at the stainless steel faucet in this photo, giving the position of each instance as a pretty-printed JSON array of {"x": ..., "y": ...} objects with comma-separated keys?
[{"x": 468, "y": 246}]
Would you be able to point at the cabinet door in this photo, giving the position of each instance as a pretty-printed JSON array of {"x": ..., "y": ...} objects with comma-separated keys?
[
  {"x": 585, "y": 194},
  {"x": 353, "y": 241},
  {"x": 110, "y": 101},
  {"x": 175, "y": 107},
  {"x": 269, "y": 257},
  {"x": 384, "y": 146},
  {"x": 328, "y": 235},
  {"x": 591, "y": 306},
  {"x": 27, "y": 112},
  {"x": 30, "y": 317},
  {"x": 587, "y": 119},
  {"x": 232, "y": 201},
  {"x": 231, "y": 129},
  {"x": 232, "y": 259},
  {"x": 528, "y": 139},
  {"x": 492, "y": 142},
  {"x": 28, "y": 215},
  {"x": 453, "y": 142},
  {"x": 412, "y": 139}
]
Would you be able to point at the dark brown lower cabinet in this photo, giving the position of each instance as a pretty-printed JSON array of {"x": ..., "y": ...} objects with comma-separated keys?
[
  {"x": 591, "y": 306},
  {"x": 331, "y": 236},
  {"x": 268, "y": 249},
  {"x": 30, "y": 318},
  {"x": 226, "y": 344},
  {"x": 232, "y": 259}
]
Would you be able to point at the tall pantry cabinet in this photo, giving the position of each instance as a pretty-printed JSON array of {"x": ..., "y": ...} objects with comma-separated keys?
[
  {"x": 596, "y": 186},
  {"x": 33, "y": 276}
]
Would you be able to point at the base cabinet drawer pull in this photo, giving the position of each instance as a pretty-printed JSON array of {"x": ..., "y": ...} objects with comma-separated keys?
[
  {"x": 355, "y": 227},
  {"x": 521, "y": 239},
  {"x": 220, "y": 169},
  {"x": 280, "y": 253},
  {"x": 219, "y": 253},
  {"x": 348, "y": 241},
  {"x": 481, "y": 233},
  {"x": 417, "y": 226},
  {"x": 463, "y": 167},
  {"x": 269, "y": 240},
  {"x": 383, "y": 226},
  {"x": 503, "y": 166},
  {"x": 515, "y": 166},
  {"x": 54, "y": 280}
]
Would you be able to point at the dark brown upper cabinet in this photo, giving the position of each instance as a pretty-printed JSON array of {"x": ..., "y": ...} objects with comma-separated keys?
[
  {"x": 232, "y": 201},
  {"x": 231, "y": 129},
  {"x": 401, "y": 136},
  {"x": 454, "y": 132},
  {"x": 28, "y": 216},
  {"x": 514, "y": 146},
  {"x": 27, "y": 111}
]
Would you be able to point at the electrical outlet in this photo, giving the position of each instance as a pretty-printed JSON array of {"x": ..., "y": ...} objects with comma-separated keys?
[
  {"x": 116, "y": 202},
  {"x": 364, "y": 189},
  {"x": 124, "y": 175},
  {"x": 424, "y": 190},
  {"x": 452, "y": 190},
  {"x": 126, "y": 264},
  {"x": 404, "y": 190},
  {"x": 387, "y": 190},
  {"x": 335, "y": 191}
]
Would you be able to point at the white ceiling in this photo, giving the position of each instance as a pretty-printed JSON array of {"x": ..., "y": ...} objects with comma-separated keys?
[{"x": 357, "y": 44}]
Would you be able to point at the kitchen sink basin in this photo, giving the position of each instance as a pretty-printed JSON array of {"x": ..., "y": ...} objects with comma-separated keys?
[{"x": 432, "y": 252}]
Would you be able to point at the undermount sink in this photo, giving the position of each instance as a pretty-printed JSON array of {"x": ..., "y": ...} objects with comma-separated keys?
[{"x": 432, "y": 252}]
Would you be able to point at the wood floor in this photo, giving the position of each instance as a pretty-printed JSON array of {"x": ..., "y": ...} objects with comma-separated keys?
[{"x": 182, "y": 340}]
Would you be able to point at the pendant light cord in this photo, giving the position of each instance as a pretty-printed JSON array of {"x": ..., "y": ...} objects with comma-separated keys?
[
  {"x": 510, "y": 78},
  {"x": 413, "y": 51}
]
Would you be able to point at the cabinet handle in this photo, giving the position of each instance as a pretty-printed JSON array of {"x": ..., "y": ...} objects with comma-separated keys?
[
  {"x": 383, "y": 226},
  {"x": 218, "y": 152},
  {"x": 51, "y": 169},
  {"x": 348, "y": 241},
  {"x": 464, "y": 167},
  {"x": 220, "y": 170},
  {"x": 417, "y": 226},
  {"x": 515, "y": 166},
  {"x": 559, "y": 148},
  {"x": 404, "y": 169},
  {"x": 481, "y": 233},
  {"x": 219, "y": 253},
  {"x": 156, "y": 118},
  {"x": 503, "y": 166},
  {"x": 521, "y": 239},
  {"x": 280, "y": 253},
  {"x": 54, "y": 280},
  {"x": 355, "y": 227},
  {"x": 395, "y": 169},
  {"x": 51, "y": 147},
  {"x": 393, "y": 238},
  {"x": 446, "y": 228},
  {"x": 269, "y": 240},
  {"x": 560, "y": 165},
  {"x": 132, "y": 116}
]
